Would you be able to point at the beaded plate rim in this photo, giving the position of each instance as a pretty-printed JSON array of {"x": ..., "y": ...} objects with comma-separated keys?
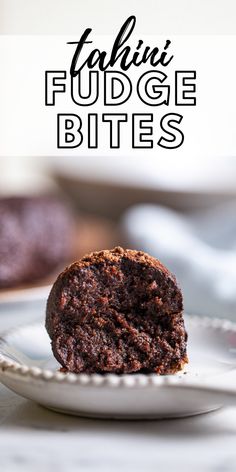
[{"x": 9, "y": 367}]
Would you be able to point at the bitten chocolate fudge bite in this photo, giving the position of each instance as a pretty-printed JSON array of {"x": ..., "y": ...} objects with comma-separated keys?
[
  {"x": 35, "y": 238},
  {"x": 117, "y": 311}
]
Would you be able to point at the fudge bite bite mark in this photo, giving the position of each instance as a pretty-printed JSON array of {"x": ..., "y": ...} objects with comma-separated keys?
[{"x": 117, "y": 311}]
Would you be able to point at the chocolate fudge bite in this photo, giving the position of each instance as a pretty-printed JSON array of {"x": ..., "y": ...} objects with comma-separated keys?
[
  {"x": 118, "y": 311},
  {"x": 35, "y": 238}
]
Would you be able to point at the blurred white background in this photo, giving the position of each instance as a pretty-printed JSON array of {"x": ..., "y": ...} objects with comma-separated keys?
[{"x": 158, "y": 17}]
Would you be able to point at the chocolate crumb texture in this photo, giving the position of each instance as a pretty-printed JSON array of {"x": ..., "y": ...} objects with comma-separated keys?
[{"x": 117, "y": 311}]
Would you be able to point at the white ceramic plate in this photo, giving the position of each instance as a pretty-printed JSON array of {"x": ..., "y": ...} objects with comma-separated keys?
[
  {"x": 107, "y": 187},
  {"x": 209, "y": 382}
]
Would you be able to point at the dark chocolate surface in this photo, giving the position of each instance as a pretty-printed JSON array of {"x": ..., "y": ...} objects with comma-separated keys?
[{"x": 117, "y": 311}]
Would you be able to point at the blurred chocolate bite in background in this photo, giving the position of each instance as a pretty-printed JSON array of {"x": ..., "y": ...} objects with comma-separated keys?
[{"x": 36, "y": 238}]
